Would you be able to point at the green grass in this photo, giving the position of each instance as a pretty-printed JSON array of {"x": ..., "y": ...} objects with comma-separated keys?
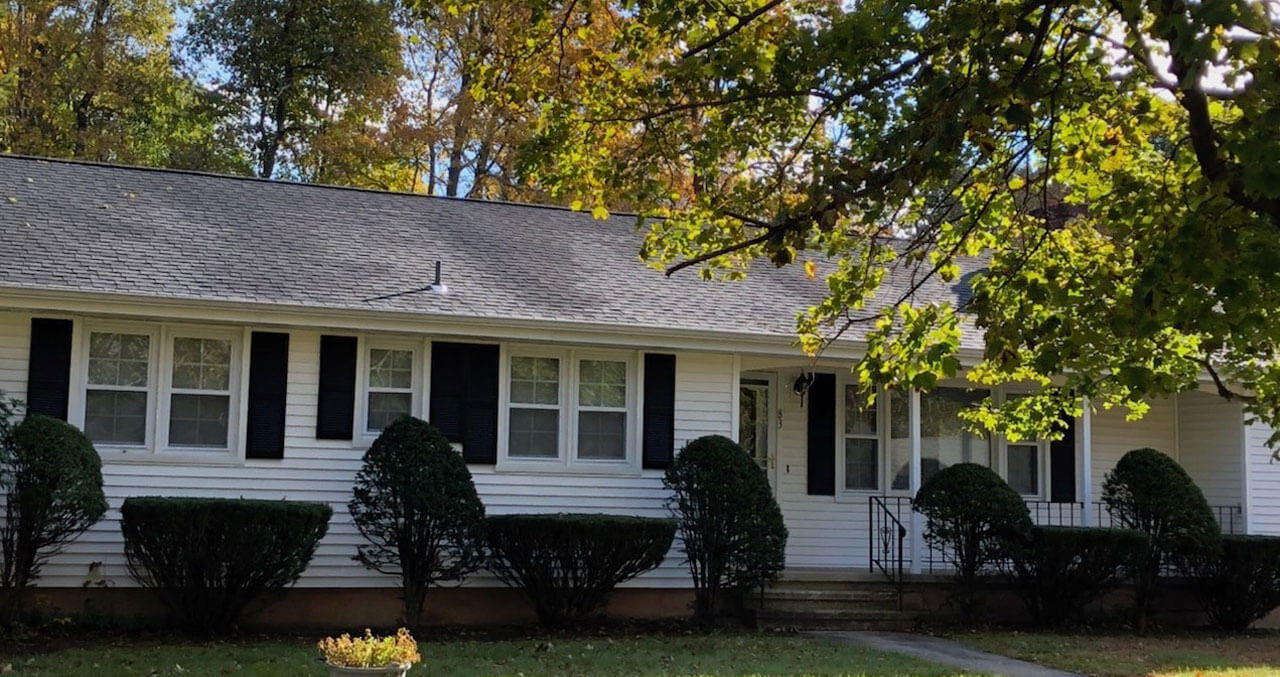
[
  {"x": 736, "y": 655},
  {"x": 1182, "y": 654}
]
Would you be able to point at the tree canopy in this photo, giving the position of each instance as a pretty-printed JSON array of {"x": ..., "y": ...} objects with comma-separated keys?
[
  {"x": 1112, "y": 164},
  {"x": 1111, "y": 167}
]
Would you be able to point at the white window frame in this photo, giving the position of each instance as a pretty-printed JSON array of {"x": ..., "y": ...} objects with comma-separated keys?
[
  {"x": 234, "y": 447},
  {"x": 881, "y": 437},
  {"x": 886, "y": 402},
  {"x": 566, "y": 459},
  {"x": 417, "y": 390},
  {"x": 152, "y": 332},
  {"x": 1042, "y": 455}
]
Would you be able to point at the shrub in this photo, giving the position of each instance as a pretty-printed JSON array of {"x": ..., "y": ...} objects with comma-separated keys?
[
  {"x": 567, "y": 564},
  {"x": 210, "y": 558},
  {"x": 733, "y": 533},
  {"x": 972, "y": 516},
  {"x": 1240, "y": 583},
  {"x": 1150, "y": 492},
  {"x": 52, "y": 477},
  {"x": 1060, "y": 570},
  {"x": 416, "y": 505},
  {"x": 399, "y": 650}
]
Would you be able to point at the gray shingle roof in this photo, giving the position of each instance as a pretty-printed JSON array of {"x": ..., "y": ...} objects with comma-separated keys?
[{"x": 181, "y": 235}]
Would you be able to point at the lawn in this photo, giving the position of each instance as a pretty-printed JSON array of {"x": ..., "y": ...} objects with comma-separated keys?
[
  {"x": 714, "y": 655},
  {"x": 1181, "y": 654}
]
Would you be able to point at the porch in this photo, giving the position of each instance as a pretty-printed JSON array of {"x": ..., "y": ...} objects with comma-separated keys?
[{"x": 844, "y": 473}]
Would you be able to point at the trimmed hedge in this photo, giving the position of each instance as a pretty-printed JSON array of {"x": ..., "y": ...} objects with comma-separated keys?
[
  {"x": 210, "y": 558},
  {"x": 731, "y": 526},
  {"x": 1060, "y": 570},
  {"x": 1241, "y": 583},
  {"x": 567, "y": 564},
  {"x": 1150, "y": 492},
  {"x": 51, "y": 477},
  {"x": 972, "y": 517},
  {"x": 416, "y": 506}
]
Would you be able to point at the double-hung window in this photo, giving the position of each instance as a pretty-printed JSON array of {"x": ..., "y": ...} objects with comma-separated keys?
[
  {"x": 861, "y": 442},
  {"x": 533, "y": 423},
  {"x": 1022, "y": 463},
  {"x": 160, "y": 388},
  {"x": 117, "y": 384},
  {"x": 201, "y": 383},
  {"x": 602, "y": 410},
  {"x": 570, "y": 407},
  {"x": 390, "y": 381}
]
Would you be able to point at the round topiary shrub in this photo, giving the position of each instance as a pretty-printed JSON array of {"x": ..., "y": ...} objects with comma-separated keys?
[
  {"x": 730, "y": 523},
  {"x": 1061, "y": 570},
  {"x": 567, "y": 564},
  {"x": 416, "y": 505},
  {"x": 52, "y": 478},
  {"x": 971, "y": 517},
  {"x": 1150, "y": 492},
  {"x": 1240, "y": 583},
  {"x": 208, "y": 559}
]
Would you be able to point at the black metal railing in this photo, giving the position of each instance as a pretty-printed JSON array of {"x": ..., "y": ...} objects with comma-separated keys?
[
  {"x": 889, "y": 516},
  {"x": 888, "y": 537},
  {"x": 1049, "y": 514}
]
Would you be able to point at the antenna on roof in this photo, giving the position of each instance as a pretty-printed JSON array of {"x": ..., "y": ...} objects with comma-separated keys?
[{"x": 438, "y": 287}]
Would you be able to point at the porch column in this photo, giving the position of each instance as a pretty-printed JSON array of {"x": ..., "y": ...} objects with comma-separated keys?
[
  {"x": 917, "y": 520},
  {"x": 1086, "y": 463}
]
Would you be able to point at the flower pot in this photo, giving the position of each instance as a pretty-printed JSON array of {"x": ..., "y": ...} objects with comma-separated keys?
[{"x": 397, "y": 670}]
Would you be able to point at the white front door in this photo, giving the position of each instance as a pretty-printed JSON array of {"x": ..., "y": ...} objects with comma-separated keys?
[{"x": 756, "y": 431}]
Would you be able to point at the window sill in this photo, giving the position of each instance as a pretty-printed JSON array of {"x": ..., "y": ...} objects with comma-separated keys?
[
  {"x": 560, "y": 467},
  {"x": 143, "y": 456}
]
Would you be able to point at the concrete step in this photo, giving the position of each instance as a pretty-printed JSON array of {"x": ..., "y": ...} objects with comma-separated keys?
[
  {"x": 836, "y": 619},
  {"x": 834, "y": 599}
]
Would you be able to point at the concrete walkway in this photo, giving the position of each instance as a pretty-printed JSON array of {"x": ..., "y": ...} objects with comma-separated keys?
[{"x": 943, "y": 651}]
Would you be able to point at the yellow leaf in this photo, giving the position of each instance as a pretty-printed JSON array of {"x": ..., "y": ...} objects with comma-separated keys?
[
  {"x": 1017, "y": 182},
  {"x": 599, "y": 212},
  {"x": 576, "y": 205},
  {"x": 810, "y": 269}
]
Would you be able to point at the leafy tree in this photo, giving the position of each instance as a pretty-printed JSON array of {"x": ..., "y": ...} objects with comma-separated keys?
[
  {"x": 1150, "y": 492},
  {"x": 418, "y": 509},
  {"x": 730, "y": 524},
  {"x": 52, "y": 478},
  {"x": 1113, "y": 162},
  {"x": 94, "y": 79},
  {"x": 973, "y": 518},
  {"x": 294, "y": 67}
]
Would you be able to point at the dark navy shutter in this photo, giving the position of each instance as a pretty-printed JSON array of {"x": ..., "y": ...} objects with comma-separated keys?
[
  {"x": 335, "y": 413},
  {"x": 659, "y": 410},
  {"x": 49, "y": 367},
  {"x": 464, "y": 397},
  {"x": 268, "y": 378},
  {"x": 821, "y": 400},
  {"x": 1062, "y": 465}
]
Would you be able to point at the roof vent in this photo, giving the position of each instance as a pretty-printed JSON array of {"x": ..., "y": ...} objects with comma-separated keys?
[{"x": 438, "y": 287}]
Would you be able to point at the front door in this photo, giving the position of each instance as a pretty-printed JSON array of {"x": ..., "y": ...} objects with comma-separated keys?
[{"x": 755, "y": 424}]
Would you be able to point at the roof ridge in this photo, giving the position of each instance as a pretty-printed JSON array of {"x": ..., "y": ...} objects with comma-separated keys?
[{"x": 292, "y": 183}]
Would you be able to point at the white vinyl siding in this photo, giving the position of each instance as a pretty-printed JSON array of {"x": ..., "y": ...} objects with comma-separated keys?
[{"x": 323, "y": 470}]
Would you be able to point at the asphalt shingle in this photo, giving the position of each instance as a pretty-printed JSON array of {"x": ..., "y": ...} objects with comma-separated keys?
[{"x": 182, "y": 235}]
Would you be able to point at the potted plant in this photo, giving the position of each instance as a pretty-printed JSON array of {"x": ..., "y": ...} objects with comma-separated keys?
[{"x": 369, "y": 655}]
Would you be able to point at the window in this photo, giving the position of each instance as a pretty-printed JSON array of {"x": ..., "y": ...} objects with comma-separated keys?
[
  {"x": 117, "y": 381},
  {"x": 569, "y": 407},
  {"x": 944, "y": 441},
  {"x": 533, "y": 429},
  {"x": 200, "y": 393},
  {"x": 900, "y": 439},
  {"x": 602, "y": 410},
  {"x": 390, "y": 387},
  {"x": 159, "y": 388},
  {"x": 1024, "y": 468},
  {"x": 861, "y": 442}
]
